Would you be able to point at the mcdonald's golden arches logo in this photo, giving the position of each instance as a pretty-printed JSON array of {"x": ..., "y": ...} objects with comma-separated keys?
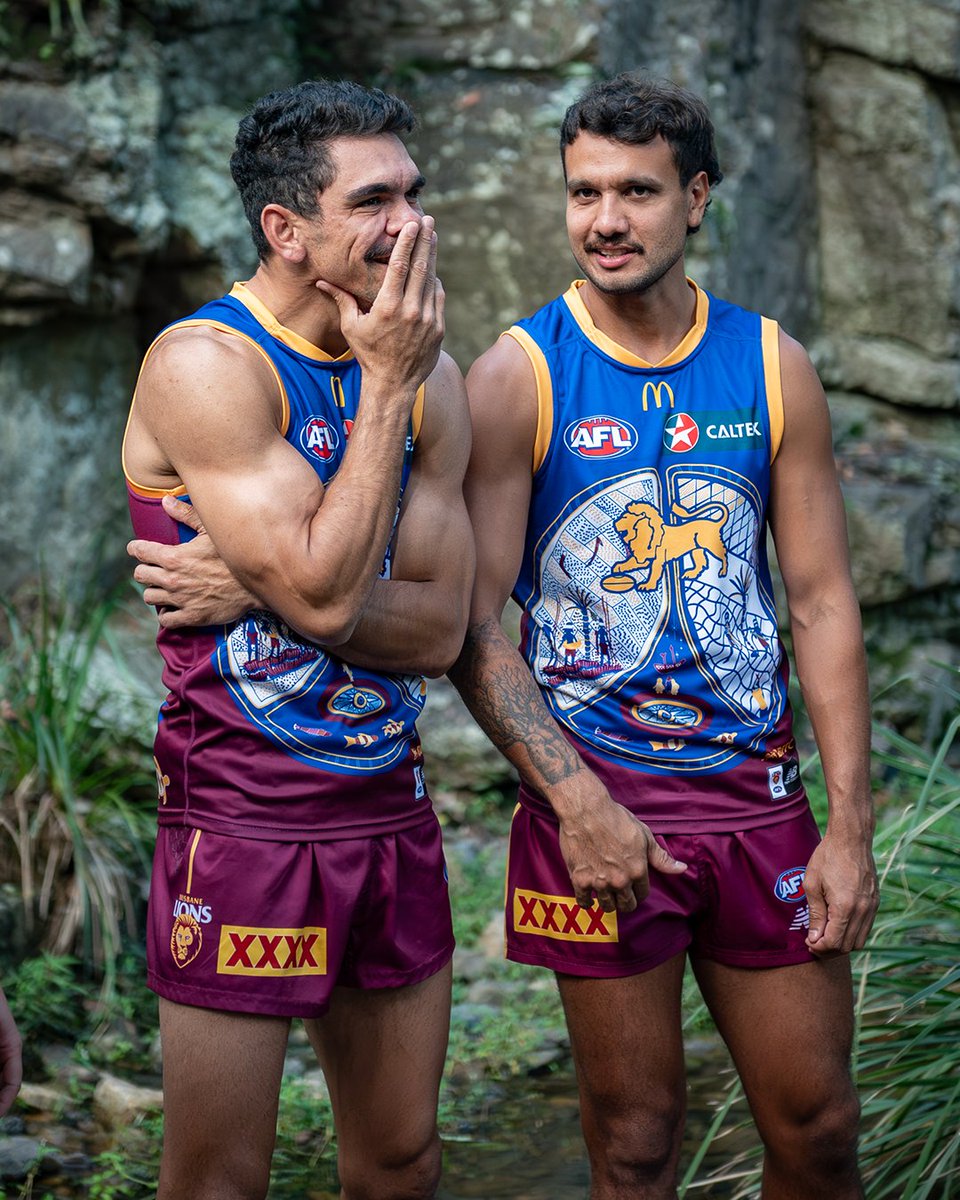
[{"x": 656, "y": 392}]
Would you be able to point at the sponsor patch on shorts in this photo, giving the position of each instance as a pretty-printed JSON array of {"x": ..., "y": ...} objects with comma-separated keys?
[
  {"x": 286, "y": 952},
  {"x": 561, "y": 917},
  {"x": 784, "y": 779},
  {"x": 789, "y": 885}
]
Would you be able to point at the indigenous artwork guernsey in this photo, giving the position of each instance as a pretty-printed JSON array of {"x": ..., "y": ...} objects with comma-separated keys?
[
  {"x": 263, "y": 733},
  {"x": 651, "y": 624}
]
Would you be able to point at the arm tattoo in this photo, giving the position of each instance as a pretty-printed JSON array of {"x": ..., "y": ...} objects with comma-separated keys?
[{"x": 498, "y": 688}]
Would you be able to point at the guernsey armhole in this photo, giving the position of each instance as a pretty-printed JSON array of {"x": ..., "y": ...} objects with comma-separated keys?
[
  {"x": 770, "y": 343},
  {"x": 416, "y": 416},
  {"x": 139, "y": 489},
  {"x": 541, "y": 442}
]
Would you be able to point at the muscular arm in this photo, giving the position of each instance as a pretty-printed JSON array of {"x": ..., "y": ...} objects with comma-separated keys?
[
  {"x": 208, "y": 403},
  {"x": 415, "y": 620},
  {"x": 605, "y": 848},
  {"x": 412, "y": 622},
  {"x": 809, "y": 528}
]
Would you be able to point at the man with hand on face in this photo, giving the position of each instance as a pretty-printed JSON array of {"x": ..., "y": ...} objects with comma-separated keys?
[
  {"x": 631, "y": 442},
  {"x": 320, "y": 436}
]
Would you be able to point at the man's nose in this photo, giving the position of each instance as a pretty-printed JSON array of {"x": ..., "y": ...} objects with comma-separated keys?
[
  {"x": 610, "y": 218},
  {"x": 402, "y": 212}
]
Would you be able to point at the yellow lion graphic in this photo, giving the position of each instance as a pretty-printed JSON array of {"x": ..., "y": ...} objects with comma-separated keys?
[{"x": 653, "y": 543}]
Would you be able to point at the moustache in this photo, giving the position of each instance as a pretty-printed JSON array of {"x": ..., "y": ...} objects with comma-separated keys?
[
  {"x": 379, "y": 253},
  {"x": 602, "y": 245}
]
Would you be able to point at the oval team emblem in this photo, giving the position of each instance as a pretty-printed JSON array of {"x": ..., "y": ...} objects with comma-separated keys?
[
  {"x": 319, "y": 438},
  {"x": 789, "y": 885},
  {"x": 600, "y": 437},
  {"x": 681, "y": 433}
]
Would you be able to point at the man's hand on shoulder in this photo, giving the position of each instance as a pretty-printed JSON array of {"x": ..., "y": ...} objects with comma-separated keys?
[{"x": 189, "y": 584}]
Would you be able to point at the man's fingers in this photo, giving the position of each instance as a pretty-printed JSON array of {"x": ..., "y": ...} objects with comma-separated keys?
[
  {"x": 422, "y": 284},
  {"x": 347, "y": 304},
  {"x": 183, "y": 512},
  {"x": 661, "y": 860},
  {"x": 398, "y": 268}
]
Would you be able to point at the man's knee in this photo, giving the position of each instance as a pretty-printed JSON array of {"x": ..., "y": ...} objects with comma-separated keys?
[
  {"x": 635, "y": 1146},
  {"x": 825, "y": 1134},
  {"x": 410, "y": 1173}
]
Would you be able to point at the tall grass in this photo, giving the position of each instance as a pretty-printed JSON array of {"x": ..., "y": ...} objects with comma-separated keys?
[
  {"x": 907, "y": 995},
  {"x": 74, "y": 816}
]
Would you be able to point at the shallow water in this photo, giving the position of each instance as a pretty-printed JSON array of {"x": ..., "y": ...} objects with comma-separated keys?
[{"x": 529, "y": 1145}]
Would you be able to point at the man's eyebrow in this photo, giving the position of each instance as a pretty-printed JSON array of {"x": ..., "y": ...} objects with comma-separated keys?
[
  {"x": 378, "y": 189},
  {"x": 646, "y": 181}
]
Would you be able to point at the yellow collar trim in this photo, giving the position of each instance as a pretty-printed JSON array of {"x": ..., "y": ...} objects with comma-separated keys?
[
  {"x": 241, "y": 292},
  {"x": 691, "y": 338}
]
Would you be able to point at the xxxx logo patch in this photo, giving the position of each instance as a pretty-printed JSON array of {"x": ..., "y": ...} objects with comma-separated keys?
[
  {"x": 561, "y": 917},
  {"x": 287, "y": 952}
]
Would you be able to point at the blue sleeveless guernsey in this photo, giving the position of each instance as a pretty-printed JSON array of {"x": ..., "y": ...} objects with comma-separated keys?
[
  {"x": 264, "y": 734},
  {"x": 648, "y": 610}
]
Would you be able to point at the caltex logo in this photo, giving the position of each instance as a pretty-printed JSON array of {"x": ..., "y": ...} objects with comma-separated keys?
[
  {"x": 681, "y": 433},
  {"x": 600, "y": 437}
]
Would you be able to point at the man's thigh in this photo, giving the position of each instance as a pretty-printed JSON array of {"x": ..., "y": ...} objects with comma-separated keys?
[
  {"x": 221, "y": 1084},
  {"x": 627, "y": 1044},
  {"x": 789, "y": 1030},
  {"x": 382, "y": 1052}
]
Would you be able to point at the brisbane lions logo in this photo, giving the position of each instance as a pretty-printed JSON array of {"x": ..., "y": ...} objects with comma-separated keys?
[{"x": 653, "y": 543}]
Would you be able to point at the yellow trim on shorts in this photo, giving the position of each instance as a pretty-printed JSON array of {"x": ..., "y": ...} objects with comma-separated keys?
[{"x": 193, "y": 853}]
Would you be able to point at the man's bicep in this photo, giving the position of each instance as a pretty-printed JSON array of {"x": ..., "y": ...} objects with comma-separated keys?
[
  {"x": 503, "y": 407},
  {"x": 807, "y": 511},
  {"x": 215, "y": 413},
  {"x": 434, "y": 538}
]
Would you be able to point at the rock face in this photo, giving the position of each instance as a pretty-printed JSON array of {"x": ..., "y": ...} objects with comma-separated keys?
[{"x": 838, "y": 125}]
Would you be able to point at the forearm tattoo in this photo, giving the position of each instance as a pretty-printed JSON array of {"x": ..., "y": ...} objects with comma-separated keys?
[{"x": 497, "y": 687}]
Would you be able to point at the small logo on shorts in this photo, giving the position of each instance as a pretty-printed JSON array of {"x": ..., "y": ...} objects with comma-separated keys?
[
  {"x": 186, "y": 938},
  {"x": 190, "y": 914},
  {"x": 419, "y": 787},
  {"x": 789, "y": 885},
  {"x": 285, "y": 952},
  {"x": 562, "y": 917}
]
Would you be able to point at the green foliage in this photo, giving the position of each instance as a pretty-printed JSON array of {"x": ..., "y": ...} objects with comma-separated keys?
[
  {"x": 907, "y": 995},
  {"x": 48, "y": 998},
  {"x": 75, "y": 821}
]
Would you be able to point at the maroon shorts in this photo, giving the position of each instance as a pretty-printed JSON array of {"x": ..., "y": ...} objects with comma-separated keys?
[
  {"x": 740, "y": 902},
  {"x": 273, "y": 927}
]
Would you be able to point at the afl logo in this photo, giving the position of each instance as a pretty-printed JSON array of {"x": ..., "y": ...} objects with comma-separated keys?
[
  {"x": 681, "y": 433},
  {"x": 319, "y": 438},
  {"x": 789, "y": 885},
  {"x": 600, "y": 437}
]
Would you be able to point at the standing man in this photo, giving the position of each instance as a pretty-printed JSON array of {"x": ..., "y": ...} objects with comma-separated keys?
[
  {"x": 321, "y": 438},
  {"x": 632, "y": 442}
]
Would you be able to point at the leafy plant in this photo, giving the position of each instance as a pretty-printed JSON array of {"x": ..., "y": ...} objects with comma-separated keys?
[
  {"x": 74, "y": 827},
  {"x": 907, "y": 997}
]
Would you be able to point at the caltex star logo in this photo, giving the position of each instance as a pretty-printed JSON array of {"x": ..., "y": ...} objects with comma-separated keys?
[{"x": 680, "y": 433}]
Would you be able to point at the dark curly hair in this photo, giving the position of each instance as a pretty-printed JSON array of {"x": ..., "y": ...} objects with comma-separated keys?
[
  {"x": 282, "y": 155},
  {"x": 635, "y": 108}
]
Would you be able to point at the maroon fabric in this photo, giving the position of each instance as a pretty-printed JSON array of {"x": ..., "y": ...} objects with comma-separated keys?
[
  {"x": 249, "y": 926},
  {"x": 740, "y": 902}
]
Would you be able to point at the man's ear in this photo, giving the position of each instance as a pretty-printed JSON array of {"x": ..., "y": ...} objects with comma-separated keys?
[{"x": 283, "y": 230}]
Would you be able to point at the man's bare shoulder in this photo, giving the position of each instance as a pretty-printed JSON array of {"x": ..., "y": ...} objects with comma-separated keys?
[{"x": 201, "y": 356}]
